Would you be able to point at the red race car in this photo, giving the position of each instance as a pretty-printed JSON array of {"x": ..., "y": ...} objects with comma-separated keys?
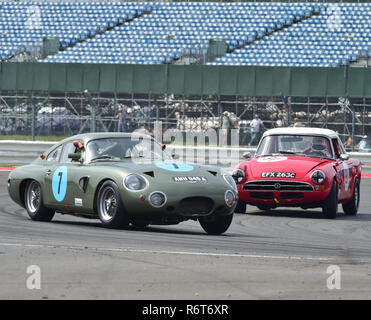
[{"x": 299, "y": 167}]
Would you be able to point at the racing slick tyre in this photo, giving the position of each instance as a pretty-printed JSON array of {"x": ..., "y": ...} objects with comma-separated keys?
[
  {"x": 110, "y": 208},
  {"x": 216, "y": 225},
  {"x": 330, "y": 206},
  {"x": 241, "y": 207},
  {"x": 351, "y": 208},
  {"x": 33, "y": 200}
]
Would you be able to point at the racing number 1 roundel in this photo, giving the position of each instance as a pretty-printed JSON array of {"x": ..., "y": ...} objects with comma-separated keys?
[{"x": 59, "y": 183}]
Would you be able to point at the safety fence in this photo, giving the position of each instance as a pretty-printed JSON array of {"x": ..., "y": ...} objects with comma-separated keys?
[{"x": 186, "y": 79}]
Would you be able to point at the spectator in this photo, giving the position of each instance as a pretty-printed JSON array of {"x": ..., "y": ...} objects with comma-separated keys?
[
  {"x": 227, "y": 125},
  {"x": 280, "y": 123},
  {"x": 349, "y": 142},
  {"x": 297, "y": 123},
  {"x": 121, "y": 116},
  {"x": 256, "y": 125},
  {"x": 362, "y": 144}
]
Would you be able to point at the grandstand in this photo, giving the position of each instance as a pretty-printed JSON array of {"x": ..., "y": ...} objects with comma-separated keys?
[
  {"x": 136, "y": 54},
  {"x": 256, "y": 33}
]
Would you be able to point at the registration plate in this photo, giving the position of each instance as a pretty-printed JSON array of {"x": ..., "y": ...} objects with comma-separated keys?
[
  {"x": 289, "y": 175},
  {"x": 189, "y": 179}
]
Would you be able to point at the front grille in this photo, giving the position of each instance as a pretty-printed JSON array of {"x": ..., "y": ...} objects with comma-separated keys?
[
  {"x": 261, "y": 195},
  {"x": 291, "y": 195},
  {"x": 276, "y": 185},
  {"x": 196, "y": 206}
]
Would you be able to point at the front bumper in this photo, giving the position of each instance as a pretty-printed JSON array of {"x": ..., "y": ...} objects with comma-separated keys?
[{"x": 287, "y": 198}]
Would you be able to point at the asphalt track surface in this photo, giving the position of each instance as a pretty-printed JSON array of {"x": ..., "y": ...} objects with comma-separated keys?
[{"x": 278, "y": 254}]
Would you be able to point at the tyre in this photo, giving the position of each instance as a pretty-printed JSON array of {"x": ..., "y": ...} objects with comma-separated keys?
[
  {"x": 241, "y": 207},
  {"x": 109, "y": 205},
  {"x": 216, "y": 225},
  {"x": 330, "y": 206},
  {"x": 34, "y": 204},
  {"x": 351, "y": 208}
]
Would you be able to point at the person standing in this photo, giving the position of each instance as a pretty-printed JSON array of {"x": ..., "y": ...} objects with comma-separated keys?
[
  {"x": 121, "y": 116},
  {"x": 255, "y": 126},
  {"x": 280, "y": 123},
  {"x": 227, "y": 125}
]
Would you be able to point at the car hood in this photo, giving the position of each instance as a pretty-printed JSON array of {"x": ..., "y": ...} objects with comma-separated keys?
[
  {"x": 164, "y": 168},
  {"x": 301, "y": 166}
]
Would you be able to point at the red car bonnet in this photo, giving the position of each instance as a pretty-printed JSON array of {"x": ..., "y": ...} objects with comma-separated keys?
[{"x": 282, "y": 163}]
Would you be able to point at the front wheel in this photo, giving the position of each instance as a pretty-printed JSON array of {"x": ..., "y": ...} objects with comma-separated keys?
[
  {"x": 34, "y": 203},
  {"x": 216, "y": 225},
  {"x": 241, "y": 207},
  {"x": 110, "y": 208},
  {"x": 330, "y": 206},
  {"x": 351, "y": 208}
]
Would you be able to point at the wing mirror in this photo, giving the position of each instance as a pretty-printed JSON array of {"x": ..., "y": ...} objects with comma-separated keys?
[
  {"x": 163, "y": 146},
  {"x": 344, "y": 156},
  {"x": 246, "y": 155},
  {"x": 75, "y": 156}
]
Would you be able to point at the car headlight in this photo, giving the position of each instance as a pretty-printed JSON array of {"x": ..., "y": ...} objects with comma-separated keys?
[
  {"x": 318, "y": 177},
  {"x": 230, "y": 181},
  {"x": 135, "y": 182},
  {"x": 157, "y": 199},
  {"x": 230, "y": 198},
  {"x": 238, "y": 175}
]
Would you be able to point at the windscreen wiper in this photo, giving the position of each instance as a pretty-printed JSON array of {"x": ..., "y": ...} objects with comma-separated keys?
[{"x": 103, "y": 157}]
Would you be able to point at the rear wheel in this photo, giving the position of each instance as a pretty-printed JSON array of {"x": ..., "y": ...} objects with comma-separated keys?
[
  {"x": 110, "y": 208},
  {"x": 217, "y": 224},
  {"x": 34, "y": 203},
  {"x": 330, "y": 206},
  {"x": 351, "y": 208},
  {"x": 241, "y": 207}
]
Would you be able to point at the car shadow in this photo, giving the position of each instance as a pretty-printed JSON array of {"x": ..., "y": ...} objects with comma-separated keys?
[{"x": 305, "y": 214}]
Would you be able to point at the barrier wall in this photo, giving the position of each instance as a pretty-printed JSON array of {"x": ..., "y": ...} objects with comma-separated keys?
[{"x": 187, "y": 79}]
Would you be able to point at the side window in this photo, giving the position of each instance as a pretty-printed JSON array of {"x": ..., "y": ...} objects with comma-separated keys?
[
  {"x": 335, "y": 143},
  {"x": 67, "y": 148},
  {"x": 55, "y": 154}
]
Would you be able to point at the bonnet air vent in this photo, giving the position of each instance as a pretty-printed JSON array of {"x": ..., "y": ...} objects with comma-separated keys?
[
  {"x": 214, "y": 173},
  {"x": 150, "y": 173}
]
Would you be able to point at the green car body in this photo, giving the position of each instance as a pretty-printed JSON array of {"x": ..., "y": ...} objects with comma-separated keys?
[{"x": 169, "y": 192}]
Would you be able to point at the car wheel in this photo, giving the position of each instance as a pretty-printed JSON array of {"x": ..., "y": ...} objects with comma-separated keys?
[
  {"x": 241, "y": 207},
  {"x": 110, "y": 209},
  {"x": 351, "y": 208},
  {"x": 217, "y": 224},
  {"x": 34, "y": 203},
  {"x": 330, "y": 206}
]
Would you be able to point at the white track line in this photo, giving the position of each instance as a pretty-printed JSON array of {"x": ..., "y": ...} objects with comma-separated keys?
[{"x": 190, "y": 253}]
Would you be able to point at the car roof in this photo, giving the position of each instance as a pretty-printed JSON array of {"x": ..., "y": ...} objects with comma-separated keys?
[
  {"x": 302, "y": 131},
  {"x": 101, "y": 135}
]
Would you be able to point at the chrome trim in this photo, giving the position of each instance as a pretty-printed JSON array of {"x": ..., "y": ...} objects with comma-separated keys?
[
  {"x": 160, "y": 206},
  {"x": 270, "y": 185}
]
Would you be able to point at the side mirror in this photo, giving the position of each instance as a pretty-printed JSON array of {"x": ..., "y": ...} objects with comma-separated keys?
[
  {"x": 246, "y": 155},
  {"x": 74, "y": 156},
  {"x": 344, "y": 156},
  {"x": 163, "y": 146}
]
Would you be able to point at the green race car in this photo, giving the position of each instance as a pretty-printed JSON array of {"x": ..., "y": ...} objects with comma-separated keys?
[{"x": 123, "y": 179}]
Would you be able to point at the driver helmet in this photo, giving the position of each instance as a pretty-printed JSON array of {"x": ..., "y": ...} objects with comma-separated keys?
[{"x": 318, "y": 144}]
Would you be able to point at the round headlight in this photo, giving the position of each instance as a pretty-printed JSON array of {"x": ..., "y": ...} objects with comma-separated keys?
[
  {"x": 157, "y": 199},
  {"x": 230, "y": 198},
  {"x": 318, "y": 177},
  {"x": 135, "y": 182},
  {"x": 230, "y": 181},
  {"x": 238, "y": 175}
]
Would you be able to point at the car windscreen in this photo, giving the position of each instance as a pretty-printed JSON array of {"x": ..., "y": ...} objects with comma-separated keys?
[
  {"x": 315, "y": 146},
  {"x": 124, "y": 148}
]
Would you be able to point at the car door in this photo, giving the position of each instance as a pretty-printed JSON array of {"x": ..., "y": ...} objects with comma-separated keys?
[
  {"x": 61, "y": 181},
  {"x": 344, "y": 170}
]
